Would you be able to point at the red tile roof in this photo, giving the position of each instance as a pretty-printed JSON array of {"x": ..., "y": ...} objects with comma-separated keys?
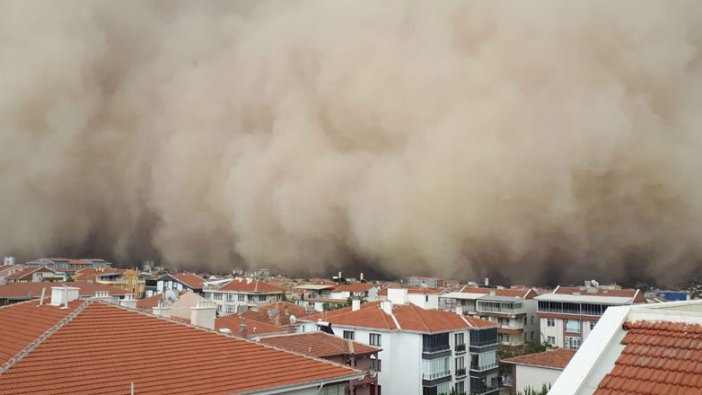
[
  {"x": 6, "y": 269},
  {"x": 558, "y": 359},
  {"x": 319, "y": 344},
  {"x": 191, "y": 280},
  {"x": 523, "y": 293},
  {"x": 106, "y": 348},
  {"x": 282, "y": 310},
  {"x": 27, "y": 272},
  {"x": 33, "y": 290},
  {"x": 241, "y": 285},
  {"x": 150, "y": 302},
  {"x": 22, "y": 323},
  {"x": 90, "y": 274},
  {"x": 253, "y": 328},
  {"x": 353, "y": 287},
  {"x": 658, "y": 358},
  {"x": 410, "y": 317}
]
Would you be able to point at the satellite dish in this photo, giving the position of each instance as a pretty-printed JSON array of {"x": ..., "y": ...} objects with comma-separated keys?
[
  {"x": 293, "y": 319},
  {"x": 171, "y": 295}
]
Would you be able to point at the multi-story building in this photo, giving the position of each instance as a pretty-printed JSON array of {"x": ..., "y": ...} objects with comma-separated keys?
[
  {"x": 513, "y": 310},
  {"x": 426, "y": 348},
  {"x": 180, "y": 282},
  {"x": 428, "y": 282},
  {"x": 335, "y": 349},
  {"x": 568, "y": 314},
  {"x": 366, "y": 291},
  {"x": 240, "y": 294},
  {"x": 65, "y": 263}
]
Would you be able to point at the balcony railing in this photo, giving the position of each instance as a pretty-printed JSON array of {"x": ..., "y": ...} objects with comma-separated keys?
[
  {"x": 460, "y": 372},
  {"x": 460, "y": 347},
  {"x": 437, "y": 348},
  {"x": 480, "y": 368},
  {"x": 436, "y": 375},
  {"x": 483, "y": 343}
]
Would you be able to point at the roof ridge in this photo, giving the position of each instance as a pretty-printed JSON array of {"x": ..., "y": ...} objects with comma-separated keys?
[
  {"x": 38, "y": 341},
  {"x": 419, "y": 315}
]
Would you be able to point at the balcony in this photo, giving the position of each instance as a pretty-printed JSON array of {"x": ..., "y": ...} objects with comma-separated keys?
[
  {"x": 436, "y": 348},
  {"x": 460, "y": 347},
  {"x": 460, "y": 372},
  {"x": 482, "y": 368},
  {"x": 436, "y": 375}
]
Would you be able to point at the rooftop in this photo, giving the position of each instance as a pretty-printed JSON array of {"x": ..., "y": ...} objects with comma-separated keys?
[
  {"x": 556, "y": 359},
  {"x": 33, "y": 290},
  {"x": 253, "y": 327},
  {"x": 243, "y": 285},
  {"x": 191, "y": 280},
  {"x": 102, "y": 340},
  {"x": 319, "y": 344},
  {"x": 353, "y": 287}
]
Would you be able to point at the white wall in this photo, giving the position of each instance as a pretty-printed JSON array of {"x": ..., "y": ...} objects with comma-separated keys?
[
  {"x": 535, "y": 377},
  {"x": 424, "y": 301},
  {"x": 555, "y": 331}
]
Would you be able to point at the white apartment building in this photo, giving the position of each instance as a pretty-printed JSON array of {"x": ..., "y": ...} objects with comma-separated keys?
[
  {"x": 513, "y": 310},
  {"x": 240, "y": 294},
  {"x": 569, "y": 314},
  {"x": 428, "y": 350}
]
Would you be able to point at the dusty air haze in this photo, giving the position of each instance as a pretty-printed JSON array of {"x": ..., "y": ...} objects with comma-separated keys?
[{"x": 526, "y": 140}]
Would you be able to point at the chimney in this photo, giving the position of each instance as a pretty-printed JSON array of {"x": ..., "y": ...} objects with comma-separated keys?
[
  {"x": 63, "y": 295},
  {"x": 487, "y": 281},
  {"x": 398, "y": 295},
  {"x": 386, "y": 305},
  {"x": 203, "y": 314},
  {"x": 249, "y": 280},
  {"x": 339, "y": 277},
  {"x": 355, "y": 304},
  {"x": 162, "y": 310},
  {"x": 128, "y": 302},
  {"x": 243, "y": 332},
  {"x": 361, "y": 276},
  {"x": 459, "y": 309}
]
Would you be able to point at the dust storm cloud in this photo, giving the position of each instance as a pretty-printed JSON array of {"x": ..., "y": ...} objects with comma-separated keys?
[{"x": 526, "y": 140}]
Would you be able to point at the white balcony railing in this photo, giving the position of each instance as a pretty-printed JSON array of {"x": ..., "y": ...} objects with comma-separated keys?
[{"x": 436, "y": 375}]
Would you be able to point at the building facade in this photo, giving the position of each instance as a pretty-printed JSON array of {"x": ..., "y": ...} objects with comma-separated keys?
[{"x": 568, "y": 315}]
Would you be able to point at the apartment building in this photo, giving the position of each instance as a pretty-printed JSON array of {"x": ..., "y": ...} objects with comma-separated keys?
[
  {"x": 639, "y": 349},
  {"x": 426, "y": 348},
  {"x": 426, "y": 298},
  {"x": 66, "y": 263},
  {"x": 238, "y": 295},
  {"x": 180, "y": 282},
  {"x": 335, "y": 349},
  {"x": 512, "y": 310},
  {"x": 569, "y": 314},
  {"x": 428, "y": 282},
  {"x": 366, "y": 291}
]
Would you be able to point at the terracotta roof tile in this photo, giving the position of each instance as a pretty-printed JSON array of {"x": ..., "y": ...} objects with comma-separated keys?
[
  {"x": 278, "y": 313},
  {"x": 150, "y": 302},
  {"x": 24, "y": 273},
  {"x": 410, "y": 317},
  {"x": 33, "y": 290},
  {"x": 319, "y": 344},
  {"x": 558, "y": 358},
  {"x": 191, "y": 280},
  {"x": 22, "y": 323},
  {"x": 95, "y": 352},
  {"x": 658, "y": 358},
  {"x": 253, "y": 328},
  {"x": 238, "y": 285}
]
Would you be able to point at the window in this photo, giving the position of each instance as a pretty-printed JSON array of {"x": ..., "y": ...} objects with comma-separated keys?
[
  {"x": 572, "y": 343},
  {"x": 374, "y": 339},
  {"x": 592, "y": 325},
  {"x": 375, "y": 364},
  {"x": 525, "y": 321},
  {"x": 550, "y": 322},
  {"x": 333, "y": 389},
  {"x": 242, "y": 298},
  {"x": 426, "y": 298},
  {"x": 572, "y": 326},
  {"x": 433, "y": 369},
  {"x": 262, "y": 298},
  {"x": 551, "y": 340},
  {"x": 460, "y": 342},
  {"x": 349, "y": 335},
  {"x": 460, "y": 366},
  {"x": 532, "y": 319},
  {"x": 461, "y": 387},
  {"x": 532, "y": 335},
  {"x": 435, "y": 343}
]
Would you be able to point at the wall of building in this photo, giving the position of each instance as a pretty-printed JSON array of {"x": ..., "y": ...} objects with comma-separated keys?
[
  {"x": 555, "y": 331},
  {"x": 534, "y": 377}
]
